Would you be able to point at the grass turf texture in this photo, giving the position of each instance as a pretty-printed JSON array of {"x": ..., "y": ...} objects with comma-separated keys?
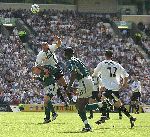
[{"x": 28, "y": 124}]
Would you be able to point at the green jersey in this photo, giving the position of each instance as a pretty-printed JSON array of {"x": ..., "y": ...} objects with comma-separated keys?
[
  {"x": 74, "y": 64},
  {"x": 48, "y": 79}
]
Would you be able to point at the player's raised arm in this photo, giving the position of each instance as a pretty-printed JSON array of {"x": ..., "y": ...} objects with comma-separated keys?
[{"x": 58, "y": 41}]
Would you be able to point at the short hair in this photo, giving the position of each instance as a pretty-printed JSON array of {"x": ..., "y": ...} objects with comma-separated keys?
[
  {"x": 69, "y": 51},
  {"x": 108, "y": 53}
]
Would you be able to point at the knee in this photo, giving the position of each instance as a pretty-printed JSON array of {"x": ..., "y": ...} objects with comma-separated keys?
[{"x": 118, "y": 104}]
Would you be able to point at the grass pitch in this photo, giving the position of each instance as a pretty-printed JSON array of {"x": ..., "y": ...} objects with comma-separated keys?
[{"x": 28, "y": 124}]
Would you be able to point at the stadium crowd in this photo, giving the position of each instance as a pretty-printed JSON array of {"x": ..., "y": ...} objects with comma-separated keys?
[{"x": 89, "y": 34}]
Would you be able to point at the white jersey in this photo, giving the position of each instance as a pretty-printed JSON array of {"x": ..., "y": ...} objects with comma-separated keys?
[
  {"x": 110, "y": 72},
  {"x": 47, "y": 58},
  {"x": 136, "y": 86}
]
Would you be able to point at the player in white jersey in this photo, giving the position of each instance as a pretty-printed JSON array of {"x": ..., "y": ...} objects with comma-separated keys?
[
  {"x": 47, "y": 57},
  {"x": 136, "y": 94},
  {"x": 111, "y": 73},
  {"x": 78, "y": 71}
]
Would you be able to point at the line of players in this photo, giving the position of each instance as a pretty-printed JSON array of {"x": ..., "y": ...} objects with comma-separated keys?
[{"x": 49, "y": 73}]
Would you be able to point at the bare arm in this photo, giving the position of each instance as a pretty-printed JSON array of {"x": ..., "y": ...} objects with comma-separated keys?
[{"x": 58, "y": 41}]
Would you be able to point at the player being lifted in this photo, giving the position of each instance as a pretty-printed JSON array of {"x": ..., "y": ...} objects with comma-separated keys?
[
  {"x": 111, "y": 72},
  {"x": 136, "y": 94},
  {"x": 78, "y": 71},
  {"x": 47, "y": 56}
]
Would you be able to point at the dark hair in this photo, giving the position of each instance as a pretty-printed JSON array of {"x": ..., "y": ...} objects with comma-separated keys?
[
  {"x": 108, "y": 53},
  {"x": 69, "y": 51}
]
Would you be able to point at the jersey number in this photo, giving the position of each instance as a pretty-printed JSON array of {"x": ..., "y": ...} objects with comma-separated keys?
[{"x": 112, "y": 71}]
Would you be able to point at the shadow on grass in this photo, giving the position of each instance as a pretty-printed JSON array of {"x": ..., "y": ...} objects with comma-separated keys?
[
  {"x": 75, "y": 132},
  {"x": 51, "y": 123}
]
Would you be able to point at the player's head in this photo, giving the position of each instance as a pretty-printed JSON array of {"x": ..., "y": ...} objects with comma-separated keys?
[
  {"x": 45, "y": 46},
  {"x": 136, "y": 77},
  {"x": 68, "y": 52},
  {"x": 108, "y": 54}
]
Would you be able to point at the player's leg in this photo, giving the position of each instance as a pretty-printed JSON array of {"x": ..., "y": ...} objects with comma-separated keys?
[
  {"x": 104, "y": 114},
  {"x": 50, "y": 92},
  {"x": 53, "y": 91},
  {"x": 91, "y": 101},
  {"x": 120, "y": 113},
  {"x": 80, "y": 105},
  {"x": 47, "y": 109},
  {"x": 59, "y": 76},
  {"x": 137, "y": 106},
  {"x": 91, "y": 111},
  {"x": 133, "y": 102},
  {"x": 85, "y": 89},
  {"x": 118, "y": 104}
]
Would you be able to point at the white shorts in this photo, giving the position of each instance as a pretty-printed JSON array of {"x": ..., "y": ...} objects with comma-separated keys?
[
  {"x": 51, "y": 89},
  {"x": 85, "y": 87}
]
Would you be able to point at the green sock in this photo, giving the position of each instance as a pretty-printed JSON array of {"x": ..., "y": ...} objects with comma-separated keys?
[
  {"x": 93, "y": 106},
  {"x": 50, "y": 106},
  {"x": 47, "y": 113},
  {"x": 82, "y": 115},
  {"x": 125, "y": 111}
]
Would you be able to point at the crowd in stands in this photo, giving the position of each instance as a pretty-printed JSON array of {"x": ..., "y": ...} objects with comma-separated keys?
[
  {"x": 88, "y": 34},
  {"x": 145, "y": 28}
]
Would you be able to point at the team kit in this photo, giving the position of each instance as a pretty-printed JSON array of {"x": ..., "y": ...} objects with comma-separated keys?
[{"x": 94, "y": 91}]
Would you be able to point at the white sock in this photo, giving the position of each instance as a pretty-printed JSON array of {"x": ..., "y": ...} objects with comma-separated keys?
[{"x": 85, "y": 122}]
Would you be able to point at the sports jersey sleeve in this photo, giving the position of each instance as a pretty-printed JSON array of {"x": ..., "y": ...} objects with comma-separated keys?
[
  {"x": 97, "y": 70},
  {"x": 53, "y": 47},
  {"x": 123, "y": 72},
  {"x": 39, "y": 59}
]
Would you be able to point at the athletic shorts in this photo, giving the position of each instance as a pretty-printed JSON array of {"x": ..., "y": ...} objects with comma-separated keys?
[
  {"x": 136, "y": 96},
  {"x": 112, "y": 95},
  {"x": 85, "y": 87},
  {"x": 95, "y": 95},
  {"x": 51, "y": 90}
]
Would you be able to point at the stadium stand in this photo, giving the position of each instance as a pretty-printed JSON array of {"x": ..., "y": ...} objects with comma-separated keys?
[{"x": 89, "y": 34}]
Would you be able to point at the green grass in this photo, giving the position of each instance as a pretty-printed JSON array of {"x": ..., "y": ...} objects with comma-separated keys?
[{"x": 28, "y": 124}]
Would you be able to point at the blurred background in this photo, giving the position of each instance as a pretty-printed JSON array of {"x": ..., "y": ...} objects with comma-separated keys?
[{"x": 88, "y": 26}]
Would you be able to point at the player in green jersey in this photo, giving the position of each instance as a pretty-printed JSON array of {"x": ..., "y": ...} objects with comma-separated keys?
[
  {"x": 79, "y": 72},
  {"x": 48, "y": 75}
]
